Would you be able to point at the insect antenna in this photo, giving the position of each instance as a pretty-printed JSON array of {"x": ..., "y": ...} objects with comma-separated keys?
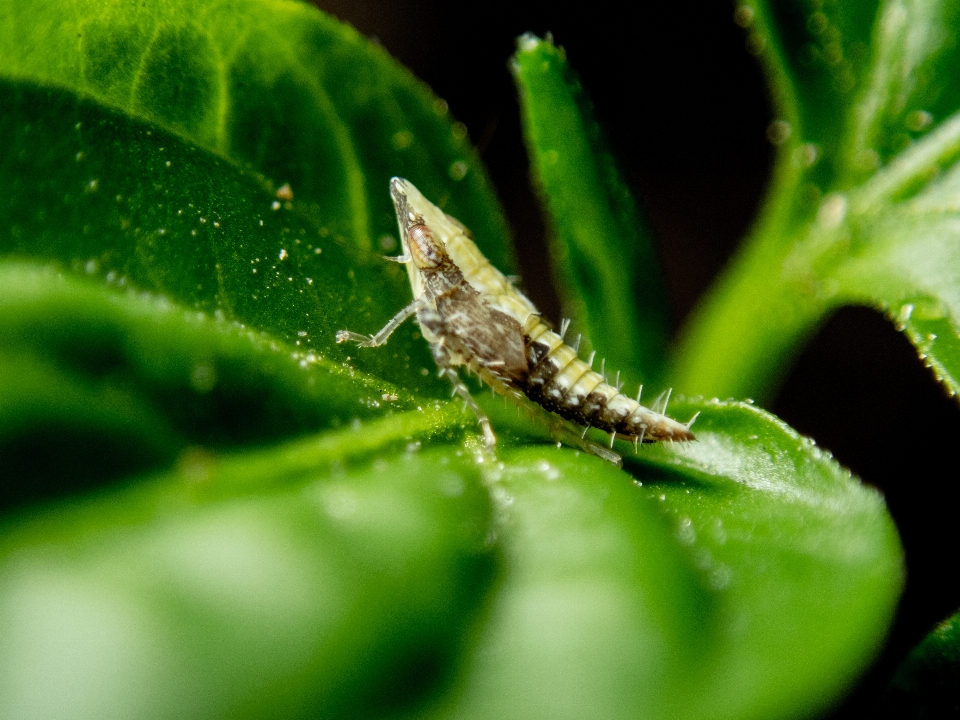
[
  {"x": 689, "y": 422},
  {"x": 564, "y": 324}
]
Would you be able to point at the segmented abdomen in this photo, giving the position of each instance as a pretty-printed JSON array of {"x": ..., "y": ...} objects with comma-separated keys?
[{"x": 562, "y": 383}]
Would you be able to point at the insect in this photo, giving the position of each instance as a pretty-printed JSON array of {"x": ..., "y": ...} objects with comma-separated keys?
[{"x": 473, "y": 316}]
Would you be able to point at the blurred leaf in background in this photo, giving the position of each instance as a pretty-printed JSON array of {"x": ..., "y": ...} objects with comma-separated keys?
[{"x": 863, "y": 200}]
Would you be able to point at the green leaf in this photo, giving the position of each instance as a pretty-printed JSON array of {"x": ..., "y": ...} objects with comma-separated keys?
[
  {"x": 323, "y": 589},
  {"x": 102, "y": 195},
  {"x": 303, "y": 100},
  {"x": 184, "y": 203},
  {"x": 927, "y": 684},
  {"x": 207, "y": 319},
  {"x": 216, "y": 510},
  {"x": 99, "y": 384},
  {"x": 606, "y": 267},
  {"x": 744, "y": 575},
  {"x": 863, "y": 210}
]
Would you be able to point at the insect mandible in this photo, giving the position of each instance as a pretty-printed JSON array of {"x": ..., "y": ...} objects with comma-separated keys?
[{"x": 473, "y": 316}]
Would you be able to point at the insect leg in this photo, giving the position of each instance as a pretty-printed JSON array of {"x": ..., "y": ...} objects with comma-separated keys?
[
  {"x": 566, "y": 433},
  {"x": 440, "y": 355},
  {"x": 381, "y": 337}
]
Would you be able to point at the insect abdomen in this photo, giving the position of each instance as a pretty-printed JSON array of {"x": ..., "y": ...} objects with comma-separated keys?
[{"x": 559, "y": 381}]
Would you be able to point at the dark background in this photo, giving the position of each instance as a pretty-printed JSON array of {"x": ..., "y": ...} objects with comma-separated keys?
[{"x": 685, "y": 108}]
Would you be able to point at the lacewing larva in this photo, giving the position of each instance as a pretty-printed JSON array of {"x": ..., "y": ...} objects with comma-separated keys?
[{"x": 473, "y": 316}]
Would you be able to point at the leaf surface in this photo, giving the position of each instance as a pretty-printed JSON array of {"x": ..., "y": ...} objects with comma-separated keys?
[
  {"x": 743, "y": 575},
  {"x": 196, "y": 594},
  {"x": 275, "y": 86},
  {"x": 863, "y": 209},
  {"x": 607, "y": 271},
  {"x": 215, "y": 510}
]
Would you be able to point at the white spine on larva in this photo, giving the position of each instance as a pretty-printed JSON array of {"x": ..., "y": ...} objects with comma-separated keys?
[{"x": 575, "y": 381}]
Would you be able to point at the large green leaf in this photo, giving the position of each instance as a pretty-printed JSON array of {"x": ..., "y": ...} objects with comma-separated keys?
[
  {"x": 211, "y": 509},
  {"x": 105, "y": 195},
  {"x": 732, "y": 580},
  {"x": 608, "y": 273},
  {"x": 197, "y": 594},
  {"x": 303, "y": 100},
  {"x": 204, "y": 322},
  {"x": 98, "y": 384},
  {"x": 864, "y": 208}
]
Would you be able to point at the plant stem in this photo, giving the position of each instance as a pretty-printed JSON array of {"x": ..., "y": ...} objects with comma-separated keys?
[
  {"x": 740, "y": 339},
  {"x": 760, "y": 310}
]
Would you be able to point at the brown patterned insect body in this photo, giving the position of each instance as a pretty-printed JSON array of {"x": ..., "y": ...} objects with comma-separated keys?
[{"x": 473, "y": 316}]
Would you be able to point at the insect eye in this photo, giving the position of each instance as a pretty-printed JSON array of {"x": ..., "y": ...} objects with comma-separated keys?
[{"x": 426, "y": 251}]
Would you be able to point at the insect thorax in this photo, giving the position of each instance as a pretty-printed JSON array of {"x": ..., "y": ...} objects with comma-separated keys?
[{"x": 472, "y": 315}]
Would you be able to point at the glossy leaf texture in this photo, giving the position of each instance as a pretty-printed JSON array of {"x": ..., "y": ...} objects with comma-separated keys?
[
  {"x": 210, "y": 509},
  {"x": 608, "y": 272},
  {"x": 99, "y": 384},
  {"x": 863, "y": 209},
  {"x": 303, "y": 102},
  {"x": 733, "y": 579},
  {"x": 169, "y": 309}
]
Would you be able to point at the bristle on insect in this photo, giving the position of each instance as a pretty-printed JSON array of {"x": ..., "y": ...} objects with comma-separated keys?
[{"x": 474, "y": 317}]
